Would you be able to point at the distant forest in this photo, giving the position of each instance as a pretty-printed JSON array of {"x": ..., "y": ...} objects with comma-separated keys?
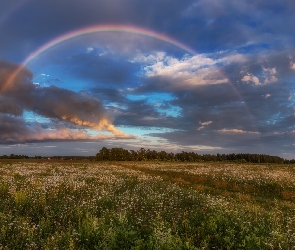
[
  {"x": 120, "y": 154},
  {"x": 13, "y": 156}
]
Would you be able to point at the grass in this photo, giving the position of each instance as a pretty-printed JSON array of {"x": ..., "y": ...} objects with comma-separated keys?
[{"x": 132, "y": 205}]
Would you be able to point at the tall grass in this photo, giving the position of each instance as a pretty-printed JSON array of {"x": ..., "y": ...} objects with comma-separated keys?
[{"x": 112, "y": 206}]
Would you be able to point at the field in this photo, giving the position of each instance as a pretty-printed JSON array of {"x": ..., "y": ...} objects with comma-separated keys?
[{"x": 146, "y": 205}]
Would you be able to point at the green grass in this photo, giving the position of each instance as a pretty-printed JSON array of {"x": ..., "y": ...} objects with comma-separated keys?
[{"x": 146, "y": 206}]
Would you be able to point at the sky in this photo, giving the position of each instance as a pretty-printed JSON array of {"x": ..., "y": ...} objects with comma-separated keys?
[{"x": 193, "y": 75}]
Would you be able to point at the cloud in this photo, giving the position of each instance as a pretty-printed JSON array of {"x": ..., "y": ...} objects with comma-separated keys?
[
  {"x": 228, "y": 58},
  {"x": 205, "y": 25},
  {"x": 157, "y": 56},
  {"x": 60, "y": 105},
  {"x": 105, "y": 68},
  {"x": 185, "y": 73},
  {"x": 235, "y": 142},
  {"x": 168, "y": 73},
  {"x": 240, "y": 81},
  {"x": 89, "y": 49},
  {"x": 251, "y": 78},
  {"x": 270, "y": 75},
  {"x": 16, "y": 130},
  {"x": 237, "y": 131},
  {"x": 143, "y": 114},
  {"x": 204, "y": 124},
  {"x": 77, "y": 108},
  {"x": 230, "y": 115},
  {"x": 292, "y": 65},
  {"x": 8, "y": 105}
]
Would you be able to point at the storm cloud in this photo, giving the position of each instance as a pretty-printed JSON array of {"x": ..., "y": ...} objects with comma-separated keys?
[{"x": 60, "y": 105}]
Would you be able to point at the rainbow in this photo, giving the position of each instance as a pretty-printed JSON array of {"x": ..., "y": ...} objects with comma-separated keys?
[
  {"x": 103, "y": 28},
  {"x": 91, "y": 30}
]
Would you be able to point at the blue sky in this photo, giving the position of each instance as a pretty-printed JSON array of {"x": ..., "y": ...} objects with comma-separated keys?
[{"x": 235, "y": 93}]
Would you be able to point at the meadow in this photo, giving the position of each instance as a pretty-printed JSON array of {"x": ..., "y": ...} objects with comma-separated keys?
[{"x": 146, "y": 205}]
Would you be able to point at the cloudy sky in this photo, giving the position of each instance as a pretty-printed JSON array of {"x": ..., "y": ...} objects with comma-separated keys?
[{"x": 195, "y": 75}]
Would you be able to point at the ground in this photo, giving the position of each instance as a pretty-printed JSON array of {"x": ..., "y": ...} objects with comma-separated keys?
[{"x": 146, "y": 205}]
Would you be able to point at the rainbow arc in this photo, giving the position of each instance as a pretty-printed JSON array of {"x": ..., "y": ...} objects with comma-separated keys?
[{"x": 91, "y": 30}]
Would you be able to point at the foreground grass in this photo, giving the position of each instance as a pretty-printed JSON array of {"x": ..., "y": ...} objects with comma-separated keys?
[{"x": 146, "y": 206}]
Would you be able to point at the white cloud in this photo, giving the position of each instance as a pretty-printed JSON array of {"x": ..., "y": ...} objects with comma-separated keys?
[
  {"x": 171, "y": 65},
  {"x": 234, "y": 58},
  {"x": 292, "y": 65},
  {"x": 251, "y": 78},
  {"x": 269, "y": 75},
  {"x": 188, "y": 71},
  {"x": 89, "y": 49},
  {"x": 204, "y": 124}
]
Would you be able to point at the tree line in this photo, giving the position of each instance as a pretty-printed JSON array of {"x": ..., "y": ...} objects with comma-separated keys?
[
  {"x": 13, "y": 156},
  {"x": 121, "y": 154}
]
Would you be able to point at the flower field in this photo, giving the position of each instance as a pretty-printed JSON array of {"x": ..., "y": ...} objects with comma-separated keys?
[{"x": 146, "y": 205}]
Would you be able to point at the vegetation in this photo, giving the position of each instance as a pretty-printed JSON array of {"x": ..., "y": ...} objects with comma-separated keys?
[
  {"x": 13, "y": 156},
  {"x": 120, "y": 154},
  {"x": 146, "y": 205},
  {"x": 18, "y": 157}
]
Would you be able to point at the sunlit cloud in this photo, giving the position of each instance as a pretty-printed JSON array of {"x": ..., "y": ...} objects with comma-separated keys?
[
  {"x": 237, "y": 131},
  {"x": 251, "y": 79},
  {"x": 204, "y": 124},
  {"x": 187, "y": 72},
  {"x": 79, "y": 109}
]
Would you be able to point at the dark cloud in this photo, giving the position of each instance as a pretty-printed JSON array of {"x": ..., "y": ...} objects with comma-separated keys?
[
  {"x": 20, "y": 94},
  {"x": 237, "y": 115},
  {"x": 140, "y": 113},
  {"x": 231, "y": 141},
  {"x": 50, "y": 102},
  {"x": 203, "y": 25},
  {"x": 237, "y": 93},
  {"x": 78, "y": 108},
  {"x": 103, "y": 69},
  {"x": 223, "y": 24},
  {"x": 8, "y": 105},
  {"x": 48, "y": 19},
  {"x": 109, "y": 94},
  {"x": 12, "y": 128},
  {"x": 137, "y": 113},
  {"x": 15, "y": 130}
]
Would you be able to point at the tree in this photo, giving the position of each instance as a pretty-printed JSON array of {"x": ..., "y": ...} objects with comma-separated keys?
[{"x": 103, "y": 155}]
